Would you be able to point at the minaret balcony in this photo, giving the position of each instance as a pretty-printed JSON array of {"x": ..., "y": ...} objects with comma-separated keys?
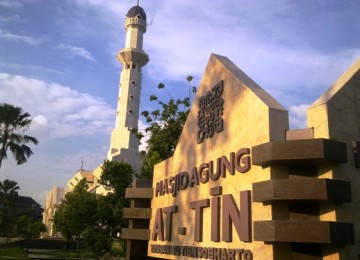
[{"x": 132, "y": 55}]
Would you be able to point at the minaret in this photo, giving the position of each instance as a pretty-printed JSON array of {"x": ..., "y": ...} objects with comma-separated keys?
[{"x": 124, "y": 145}]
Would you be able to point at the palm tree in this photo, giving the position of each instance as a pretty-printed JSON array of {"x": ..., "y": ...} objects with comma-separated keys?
[
  {"x": 13, "y": 123},
  {"x": 8, "y": 193}
]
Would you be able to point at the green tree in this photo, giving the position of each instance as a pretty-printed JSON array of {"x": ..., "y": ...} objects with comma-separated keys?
[
  {"x": 21, "y": 228},
  {"x": 8, "y": 193},
  {"x": 62, "y": 222},
  {"x": 116, "y": 177},
  {"x": 13, "y": 124},
  {"x": 97, "y": 240},
  {"x": 25, "y": 226},
  {"x": 76, "y": 212},
  {"x": 37, "y": 228},
  {"x": 165, "y": 127},
  {"x": 105, "y": 213}
]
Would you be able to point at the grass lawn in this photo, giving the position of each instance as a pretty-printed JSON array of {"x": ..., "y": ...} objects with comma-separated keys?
[
  {"x": 12, "y": 251},
  {"x": 117, "y": 252},
  {"x": 84, "y": 253}
]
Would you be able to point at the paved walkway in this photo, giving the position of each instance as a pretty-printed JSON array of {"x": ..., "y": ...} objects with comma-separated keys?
[
  {"x": 49, "y": 254},
  {"x": 43, "y": 254}
]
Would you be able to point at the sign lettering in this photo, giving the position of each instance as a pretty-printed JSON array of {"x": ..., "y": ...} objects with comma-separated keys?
[
  {"x": 231, "y": 215},
  {"x": 235, "y": 162}
]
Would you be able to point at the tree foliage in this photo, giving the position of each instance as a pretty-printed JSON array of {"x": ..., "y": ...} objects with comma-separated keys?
[
  {"x": 76, "y": 212},
  {"x": 25, "y": 226},
  {"x": 37, "y": 228},
  {"x": 105, "y": 213},
  {"x": 165, "y": 126},
  {"x": 8, "y": 193},
  {"x": 13, "y": 124},
  {"x": 13, "y": 221},
  {"x": 116, "y": 177},
  {"x": 96, "y": 218},
  {"x": 97, "y": 240}
]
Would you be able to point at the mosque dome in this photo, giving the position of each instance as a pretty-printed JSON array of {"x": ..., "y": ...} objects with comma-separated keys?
[{"x": 136, "y": 11}]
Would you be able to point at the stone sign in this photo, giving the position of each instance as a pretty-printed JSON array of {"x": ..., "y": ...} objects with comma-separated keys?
[
  {"x": 202, "y": 206},
  {"x": 240, "y": 185}
]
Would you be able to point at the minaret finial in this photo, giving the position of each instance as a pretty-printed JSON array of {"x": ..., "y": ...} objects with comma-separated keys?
[{"x": 138, "y": 2}]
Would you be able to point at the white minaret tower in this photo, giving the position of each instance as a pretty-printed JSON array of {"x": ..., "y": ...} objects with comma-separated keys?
[{"x": 124, "y": 145}]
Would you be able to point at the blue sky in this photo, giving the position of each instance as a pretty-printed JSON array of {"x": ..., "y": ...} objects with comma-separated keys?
[{"x": 58, "y": 62}]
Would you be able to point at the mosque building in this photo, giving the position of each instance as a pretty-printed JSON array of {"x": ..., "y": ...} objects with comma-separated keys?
[{"x": 124, "y": 145}]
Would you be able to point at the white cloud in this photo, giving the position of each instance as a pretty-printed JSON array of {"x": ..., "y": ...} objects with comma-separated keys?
[
  {"x": 40, "y": 120},
  {"x": 109, "y": 6},
  {"x": 20, "y": 38},
  {"x": 285, "y": 63},
  {"x": 10, "y": 4},
  {"x": 11, "y": 18},
  {"x": 300, "y": 110},
  {"x": 32, "y": 68},
  {"x": 72, "y": 51},
  {"x": 58, "y": 111},
  {"x": 298, "y": 116},
  {"x": 252, "y": 35},
  {"x": 183, "y": 35}
]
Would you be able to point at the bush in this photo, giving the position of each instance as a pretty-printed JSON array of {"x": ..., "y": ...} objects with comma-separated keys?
[
  {"x": 118, "y": 248},
  {"x": 97, "y": 240}
]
